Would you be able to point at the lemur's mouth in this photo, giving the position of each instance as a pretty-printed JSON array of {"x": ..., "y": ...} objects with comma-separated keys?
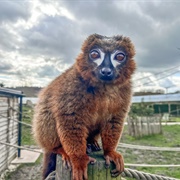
[{"x": 106, "y": 78}]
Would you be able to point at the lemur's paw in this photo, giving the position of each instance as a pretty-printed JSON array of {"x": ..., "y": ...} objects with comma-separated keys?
[
  {"x": 117, "y": 159},
  {"x": 79, "y": 166}
]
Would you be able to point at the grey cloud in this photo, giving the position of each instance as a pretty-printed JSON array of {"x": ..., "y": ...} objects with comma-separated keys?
[
  {"x": 5, "y": 67},
  {"x": 10, "y": 11},
  {"x": 48, "y": 71},
  {"x": 166, "y": 83},
  {"x": 163, "y": 12},
  {"x": 108, "y": 18},
  {"x": 162, "y": 49},
  {"x": 52, "y": 37},
  {"x": 8, "y": 41}
]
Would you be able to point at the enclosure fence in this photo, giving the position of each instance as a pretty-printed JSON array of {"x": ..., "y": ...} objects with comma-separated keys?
[{"x": 127, "y": 172}]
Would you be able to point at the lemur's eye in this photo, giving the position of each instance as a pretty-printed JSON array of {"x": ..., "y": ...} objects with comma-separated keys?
[
  {"x": 119, "y": 57},
  {"x": 94, "y": 54}
]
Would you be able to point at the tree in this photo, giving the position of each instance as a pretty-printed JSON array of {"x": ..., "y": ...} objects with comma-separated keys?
[
  {"x": 1, "y": 84},
  {"x": 141, "y": 109}
]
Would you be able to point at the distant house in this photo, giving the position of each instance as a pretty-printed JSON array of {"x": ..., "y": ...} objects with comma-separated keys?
[
  {"x": 162, "y": 103},
  {"x": 149, "y": 90},
  {"x": 10, "y": 114},
  {"x": 28, "y": 91}
]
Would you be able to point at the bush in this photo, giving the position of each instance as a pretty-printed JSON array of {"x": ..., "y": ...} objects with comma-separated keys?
[{"x": 142, "y": 109}]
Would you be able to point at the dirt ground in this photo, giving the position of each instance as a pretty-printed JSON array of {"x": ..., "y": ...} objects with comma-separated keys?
[{"x": 26, "y": 172}]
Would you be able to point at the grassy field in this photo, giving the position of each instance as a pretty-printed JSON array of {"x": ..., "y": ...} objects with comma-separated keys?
[
  {"x": 174, "y": 119},
  {"x": 27, "y": 138},
  {"x": 169, "y": 138}
]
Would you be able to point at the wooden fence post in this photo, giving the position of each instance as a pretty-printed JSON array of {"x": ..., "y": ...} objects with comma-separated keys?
[{"x": 95, "y": 172}]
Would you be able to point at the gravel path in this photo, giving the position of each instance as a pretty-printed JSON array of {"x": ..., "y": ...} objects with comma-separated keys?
[{"x": 27, "y": 172}]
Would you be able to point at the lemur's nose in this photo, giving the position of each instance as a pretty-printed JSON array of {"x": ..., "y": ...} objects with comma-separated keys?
[{"x": 105, "y": 71}]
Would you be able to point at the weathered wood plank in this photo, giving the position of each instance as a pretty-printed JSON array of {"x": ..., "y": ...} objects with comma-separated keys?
[
  {"x": 8, "y": 129},
  {"x": 144, "y": 125},
  {"x": 95, "y": 172}
]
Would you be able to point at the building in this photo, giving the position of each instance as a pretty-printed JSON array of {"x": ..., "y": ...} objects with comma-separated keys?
[
  {"x": 162, "y": 103},
  {"x": 10, "y": 129}
]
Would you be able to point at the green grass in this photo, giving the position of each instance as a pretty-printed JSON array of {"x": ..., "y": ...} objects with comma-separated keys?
[
  {"x": 169, "y": 138},
  {"x": 174, "y": 119},
  {"x": 27, "y": 138}
]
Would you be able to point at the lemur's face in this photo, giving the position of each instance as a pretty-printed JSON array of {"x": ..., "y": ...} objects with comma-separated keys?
[
  {"x": 107, "y": 59},
  {"x": 107, "y": 63}
]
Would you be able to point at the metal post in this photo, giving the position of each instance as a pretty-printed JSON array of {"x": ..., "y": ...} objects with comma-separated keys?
[{"x": 19, "y": 127}]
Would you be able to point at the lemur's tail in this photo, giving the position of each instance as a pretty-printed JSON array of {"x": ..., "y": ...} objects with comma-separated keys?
[{"x": 49, "y": 163}]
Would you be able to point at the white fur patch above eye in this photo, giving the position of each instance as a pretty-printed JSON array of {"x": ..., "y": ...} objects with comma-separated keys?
[
  {"x": 113, "y": 61},
  {"x": 101, "y": 59}
]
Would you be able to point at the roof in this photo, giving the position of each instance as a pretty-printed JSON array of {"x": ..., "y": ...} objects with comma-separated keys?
[
  {"x": 162, "y": 98},
  {"x": 10, "y": 92}
]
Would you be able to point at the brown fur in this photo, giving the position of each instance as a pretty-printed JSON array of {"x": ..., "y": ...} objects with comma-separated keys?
[{"x": 77, "y": 107}]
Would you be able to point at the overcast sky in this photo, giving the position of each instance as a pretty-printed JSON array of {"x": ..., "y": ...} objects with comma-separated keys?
[{"x": 40, "y": 39}]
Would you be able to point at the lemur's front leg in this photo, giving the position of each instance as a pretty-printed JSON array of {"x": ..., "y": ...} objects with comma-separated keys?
[
  {"x": 73, "y": 140},
  {"x": 110, "y": 137},
  {"x": 65, "y": 157}
]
